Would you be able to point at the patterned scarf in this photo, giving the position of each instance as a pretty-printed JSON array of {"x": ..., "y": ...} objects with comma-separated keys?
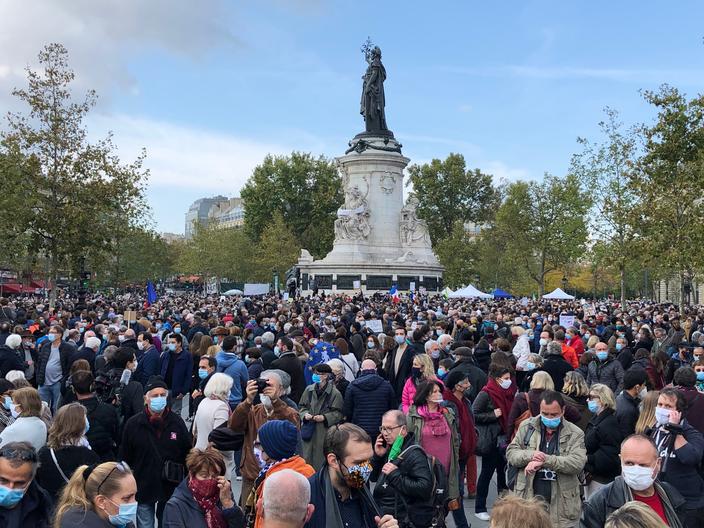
[{"x": 207, "y": 495}]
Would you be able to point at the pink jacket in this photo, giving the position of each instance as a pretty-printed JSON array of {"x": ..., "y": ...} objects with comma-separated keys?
[{"x": 409, "y": 392}]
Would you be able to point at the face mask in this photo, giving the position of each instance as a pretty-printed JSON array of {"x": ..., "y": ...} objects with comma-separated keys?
[
  {"x": 435, "y": 354},
  {"x": 441, "y": 373},
  {"x": 439, "y": 333},
  {"x": 619, "y": 346},
  {"x": 13, "y": 411},
  {"x": 543, "y": 341},
  {"x": 206, "y": 488},
  {"x": 438, "y": 402},
  {"x": 700, "y": 376},
  {"x": 530, "y": 366},
  {"x": 87, "y": 427},
  {"x": 593, "y": 406},
  {"x": 140, "y": 345},
  {"x": 202, "y": 373},
  {"x": 638, "y": 478},
  {"x": 158, "y": 326},
  {"x": 266, "y": 401},
  {"x": 277, "y": 351},
  {"x": 587, "y": 336},
  {"x": 121, "y": 338},
  {"x": 602, "y": 355},
  {"x": 505, "y": 384},
  {"x": 177, "y": 330},
  {"x": 316, "y": 378},
  {"x": 551, "y": 423},
  {"x": 358, "y": 475},
  {"x": 10, "y": 497},
  {"x": 399, "y": 339},
  {"x": 172, "y": 347},
  {"x": 51, "y": 337},
  {"x": 157, "y": 404},
  {"x": 126, "y": 514},
  {"x": 260, "y": 458},
  {"x": 662, "y": 416},
  {"x": 7, "y": 403},
  {"x": 415, "y": 372},
  {"x": 644, "y": 391},
  {"x": 448, "y": 348},
  {"x": 215, "y": 340}
]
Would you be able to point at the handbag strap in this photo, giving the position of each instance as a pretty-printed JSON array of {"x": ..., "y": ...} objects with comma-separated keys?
[{"x": 56, "y": 463}]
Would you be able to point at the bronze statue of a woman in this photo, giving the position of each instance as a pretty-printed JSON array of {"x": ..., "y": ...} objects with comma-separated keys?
[{"x": 373, "y": 100}]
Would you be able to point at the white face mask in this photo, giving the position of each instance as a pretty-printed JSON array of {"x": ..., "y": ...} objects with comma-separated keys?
[
  {"x": 543, "y": 342},
  {"x": 505, "y": 384},
  {"x": 638, "y": 478},
  {"x": 643, "y": 392},
  {"x": 662, "y": 415}
]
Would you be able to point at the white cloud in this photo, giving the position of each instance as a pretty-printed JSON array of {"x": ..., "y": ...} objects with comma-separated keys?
[
  {"x": 101, "y": 36},
  {"x": 500, "y": 171}
]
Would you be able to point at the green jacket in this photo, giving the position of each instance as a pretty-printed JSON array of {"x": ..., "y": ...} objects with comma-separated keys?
[
  {"x": 565, "y": 502},
  {"x": 330, "y": 406},
  {"x": 415, "y": 426}
]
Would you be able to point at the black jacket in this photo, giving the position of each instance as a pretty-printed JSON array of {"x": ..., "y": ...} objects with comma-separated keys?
[
  {"x": 603, "y": 442},
  {"x": 614, "y": 495},
  {"x": 35, "y": 510},
  {"x": 104, "y": 432},
  {"x": 397, "y": 379},
  {"x": 65, "y": 351},
  {"x": 10, "y": 360},
  {"x": 557, "y": 367},
  {"x": 476, "y": 376},
  {"x": 139, "y": 449},
  {"x": 407, "y": 490},
  {"x": 366, "y": 400},
  {"x": 268, "y": 356},
  {"x": 293, "y": 366},
  {"x": 182, "y": 511},
  {"x": 627, "y": 413},
  {"x": 77, "y": 518},
  {"x": 69, "y": 458}
]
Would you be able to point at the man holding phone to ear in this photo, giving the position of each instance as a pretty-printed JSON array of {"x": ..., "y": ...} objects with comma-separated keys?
[{"x": 404, "y": 482}]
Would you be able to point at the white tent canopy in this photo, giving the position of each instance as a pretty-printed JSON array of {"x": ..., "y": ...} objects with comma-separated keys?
[
  {"x": 469, "y": 292},
  {"x": 559, "y": 295}
]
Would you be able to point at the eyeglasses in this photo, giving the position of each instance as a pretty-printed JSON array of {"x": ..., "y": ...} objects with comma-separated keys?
[
  {"x": 383, "y": 429},
  {"x": 26, "y": 455},
  {"x": 118, "y": 466}
]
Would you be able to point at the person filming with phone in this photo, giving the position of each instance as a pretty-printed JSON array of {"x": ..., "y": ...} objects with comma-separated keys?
[
  {"x": 247, "y": 418},
  {"x": 404, "y": 482}
]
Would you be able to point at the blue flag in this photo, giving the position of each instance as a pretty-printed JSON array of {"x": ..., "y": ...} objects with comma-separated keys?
[{"x": 151, "y": 293}]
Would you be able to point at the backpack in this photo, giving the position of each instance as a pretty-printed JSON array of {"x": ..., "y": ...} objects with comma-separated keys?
[
  {"x": 525, "y": 415},
  {"x": 108, "y": 387},
  {"x": 432, "y": 513},
  {"x": 511, "y": 470}
]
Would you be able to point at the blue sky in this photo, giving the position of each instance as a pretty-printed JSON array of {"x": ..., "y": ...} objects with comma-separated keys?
[{"x": 208, "y": 88}]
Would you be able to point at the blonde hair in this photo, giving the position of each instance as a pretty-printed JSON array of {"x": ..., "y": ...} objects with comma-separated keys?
[
  {"x": 82, "y": 488},
  {"x": 575, "y": 385},
  {"x": 634, "y": 514},
  {"x": 646, "y": 419},
  {"x": 593, "y": 340},
  {"x": 427, "y": 368},
  {"x": 213, "y": 350},
  {"x": 510, "y": 511},
  {"x": 28, "y": 398},
  {"x": 542, "y": 380},
  {"x": 518, "y": 330},
  {"x": 68, "y": 426},
  {"x": 605, "y": 394},
  {"x": 536, "y": 359}
]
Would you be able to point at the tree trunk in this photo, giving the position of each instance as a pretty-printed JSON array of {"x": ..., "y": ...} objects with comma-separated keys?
[
  {"x": 53, "y": 277},
  {"x": 622, "y": 277}
]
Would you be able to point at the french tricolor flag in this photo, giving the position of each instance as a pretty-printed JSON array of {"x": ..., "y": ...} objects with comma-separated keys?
[{"x": 395, "y": 297}]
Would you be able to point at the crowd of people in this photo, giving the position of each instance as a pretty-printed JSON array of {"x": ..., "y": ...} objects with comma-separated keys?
[{"x": 349, "y": 411}]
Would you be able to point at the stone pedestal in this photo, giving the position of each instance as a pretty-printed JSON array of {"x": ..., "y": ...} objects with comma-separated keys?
[{"x": 379, "y": 241}]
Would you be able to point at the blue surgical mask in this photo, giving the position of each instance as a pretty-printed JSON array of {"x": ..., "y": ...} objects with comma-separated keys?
[
  {"x": 602, "y": 355},
  {"x": 370, "y": 344},
  {"x": 551, "y": 423},
  {"x": 172, "y": 347},
  {"x": 7, "y": 403},
  {"x": 202, "y": 373},
  {"x": 157, "y": 404},
  {"x": 10, "y": 497},
  {"x": 593, "y": 406},
  {"x": 399, "y": 339},
  {"x": 700, "y": 377},
  {"x": 316, "y": 378},
  {"x": 277, "y": 351},
  {"x": 215, "y": 340},
  {"x": 13, "y": 411},
  {"x": 530, "y": 366},
  {"x": 619, "y": 346},
  {"x": 177, "y": 330},
  {"x": 441, "y": 373},
  {"x": 51, "y": 337},
  {"x": 127, "y": 513}
]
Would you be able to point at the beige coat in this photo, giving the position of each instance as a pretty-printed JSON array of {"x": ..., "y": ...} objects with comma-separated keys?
[{"x": 565, "y": 503}]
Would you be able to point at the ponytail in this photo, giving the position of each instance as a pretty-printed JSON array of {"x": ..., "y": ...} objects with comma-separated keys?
[
  {"x": 86, "y": 483},
  {"x": 73, "y": 495}
]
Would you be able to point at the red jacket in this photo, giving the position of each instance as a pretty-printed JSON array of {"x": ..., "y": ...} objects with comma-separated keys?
[
  {"x": 570, "y": 355},
  {"x": 578, "y": 346},
  {"x": 468, "y": 434}
]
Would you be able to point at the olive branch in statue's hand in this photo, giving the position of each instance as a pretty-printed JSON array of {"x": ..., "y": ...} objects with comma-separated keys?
[{"x": 367, "y": 49}]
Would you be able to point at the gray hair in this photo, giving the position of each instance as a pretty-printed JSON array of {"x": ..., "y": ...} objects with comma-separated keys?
[
  {"x": 219, "y": 386},
  {"x": 286, "y": 497},
  {"x": 277, "y": 374},
  {"x": 13, "y": 341},
  {"x": 553, "y": 349},
  {"x": 428, "y": 344},
  {"x": 267, "y": 338}
]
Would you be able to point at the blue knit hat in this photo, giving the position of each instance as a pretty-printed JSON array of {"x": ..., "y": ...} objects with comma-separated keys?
[{"x": 279, "y": 439}]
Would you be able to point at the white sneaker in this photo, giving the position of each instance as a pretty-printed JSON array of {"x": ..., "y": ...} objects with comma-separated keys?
[{"x": 483, "y": 516}]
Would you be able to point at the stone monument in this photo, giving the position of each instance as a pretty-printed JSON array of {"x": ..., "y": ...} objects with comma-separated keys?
[{"x": 379, "y": 240}]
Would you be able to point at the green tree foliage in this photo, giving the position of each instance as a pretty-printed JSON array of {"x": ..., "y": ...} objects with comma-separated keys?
[
  {"x": 606, "y": 171},
  {"x": 277, "y": 250},
  {"x": 305, "y": 191},
  {"x": 447, "y": 192},
  {"x": 670, "y": 183},
  {"x": 457, "y": 253},
  {"x": 543, "y": 225},
  {"x": 75, "y": 194}
]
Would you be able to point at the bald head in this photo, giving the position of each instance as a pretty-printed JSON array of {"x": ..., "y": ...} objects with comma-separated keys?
[
  {"x": 286, "y": 499},
  {"x": 129, "y": 334},
  {"x": 638, "y": 450},
  {"x": 368, "y": 364}
]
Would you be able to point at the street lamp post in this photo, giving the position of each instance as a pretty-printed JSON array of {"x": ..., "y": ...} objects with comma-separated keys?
[{"x": 564, "y": 283}]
